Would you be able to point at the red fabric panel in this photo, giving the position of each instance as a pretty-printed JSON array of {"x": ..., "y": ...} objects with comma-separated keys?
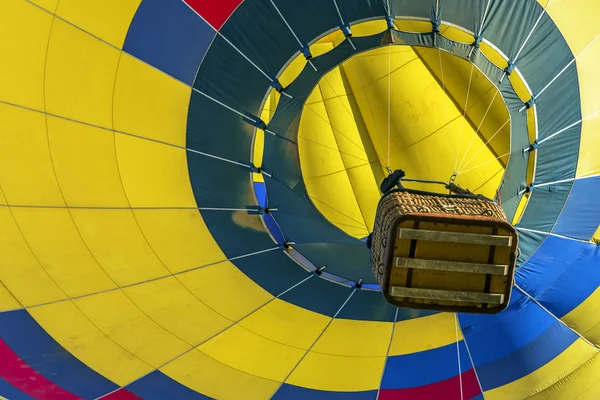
[
  {"x": 215, "y": 12},
  {"x": 447, "y": 390},
  {"x": 121, "y": 394},
  {"x": 20, "y": 375}
]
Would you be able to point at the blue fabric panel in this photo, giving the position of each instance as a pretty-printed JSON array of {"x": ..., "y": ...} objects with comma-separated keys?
[
  {"x": 580, "y": 217},
  {"x": 559, "y": 106},
  {"x": 273, "y": 271},
  {"x": 36, "y": 348},
  {"x": 521, "y": 324},
  {"x": 282, "y": 162},
  {"x": 260, "y": 189},
  {"x": 237, "y": 232},
  {"x": 309, "y": 18},
  {"x": 478, "y": 397},
  {"x": 319, "y": 295},
  {"x": 368, "y": 305},
  {"x": 544, "y": 56},
  {"x": 547, "y": 264},
  {"x": 212, "y": 128},
  {"x": 465, "y": 13},
  {"x": 354, "y": 10},
  {"x": 219, "y": 184},
  {"x": 352, "y": 261},
  {"x": 425, "y": 367},
  {"x": 274, "y": 228},
  {"x": 527, "y": 359},
  {"x": 260, "y": 33},
  {"x": 158, "y": 386},
  {"x": 557, "y": 158},
  {"x": 169, "y": 36},
  {"x": 509, "y": 23},
  {"x": 544, "y": 207},
  {"x": 299, "y": 220},
  {"x": 229, "y": 78},
  {"x": 12, "y": 393},
  {"x": 528, "y": 243},
  {"x": 410, "y": 8},
  {"x": 291, "y": 392},
  {"x": 576, "y": 284}
]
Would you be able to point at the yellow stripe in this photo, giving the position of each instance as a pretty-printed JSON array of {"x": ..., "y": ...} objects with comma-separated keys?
[
  {"x": 25, "y": 29},
  {"x": 596, "y": 237},
  {"x": 286, "y": 323},
  {"x": 176, "y": 309},
  {"x": 118, "y": 245},
  {"x": 74, "y": 57},
  {"x": 80, "y": 337},
  {"x": 107, "y": 19},
  {"x": 53, "y": 237},
  {"x": 32, "y": 161},
  {"x": 565, "y": 363},
  {"x": 520, "y": 209},
  {"x": 355, "y": 338},
  {"x": 253, "y": 354},
  {"x": 585, "y": 318},
  {"x": 85, "y": 163},
  {"x": 149, "y": 103},
  {"x": 343, "y": 374},
  {"x": 154, "y": 175},
  {"x": 210, "y": 284},
  {"x": 583, "y": 383},
  {"x": 200, "y": 372},
  {"x": 425, "y": 333},
  {"x": 576, "y": 21}
]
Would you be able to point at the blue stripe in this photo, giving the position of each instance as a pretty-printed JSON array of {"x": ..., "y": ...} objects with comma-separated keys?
[
  {"x": 12, "y": 393},
  {"x": 169, "y": 36},
  {"x": 425, "y": 367},
  {"x": 261, "y": 193},
  {"x": 35, "y": 347},
  {"x": 547, "y": 264},
  {"x": 291, "y": 392},
  {"x": 520, "y": 324},
  {"x": 528, "y": 359},
  {"x": 158, "y": 386},
  {"x": 581, "y": 216},
  {"x": 576, "y": 284}
]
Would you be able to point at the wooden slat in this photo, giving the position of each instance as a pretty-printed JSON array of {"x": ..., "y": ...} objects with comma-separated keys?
[
  {"x": 431, "y": 294},
  {"x": 453, "y": 266},
  {"x": 455, "y": 237}
]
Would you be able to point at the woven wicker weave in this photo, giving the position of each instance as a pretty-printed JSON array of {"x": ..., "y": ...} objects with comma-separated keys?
[{"x": 398, "y": 203}]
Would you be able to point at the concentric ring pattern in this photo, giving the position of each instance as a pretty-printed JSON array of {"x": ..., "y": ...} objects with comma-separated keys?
[{"x": 136, "y": 256}]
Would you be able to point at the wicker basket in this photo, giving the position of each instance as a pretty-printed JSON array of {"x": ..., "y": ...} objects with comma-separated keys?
[{"x": 452, "y": 260}]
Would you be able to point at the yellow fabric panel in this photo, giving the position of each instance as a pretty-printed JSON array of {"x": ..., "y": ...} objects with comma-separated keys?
[
  {"x": 456, "y": 34},
  {"x": 200, "y": 372},
  {"x": 80, "y": 337},
  {"x": 49, "y": 5},
  {"x": 180, "y": 238},
  {"x": 32, "y": 161},
  {"x": 344, "y": 374},
  {"x": 324, "y": 45},
  {"x": 20, "y": 271},
  {"x": 353, "y": 338},
  {"x": 173, "y": 307},
  {"x": 543, "y": 3},
  {"x": 585, "y": 318},
  {"x": 86, "y": 164},
  {"x": 583, "y": 383},
  {"x": 53, "y": 238},
  {"x": 154, "y": 174},
  {"x": 80, "y": 75},
  {"x": 117, "y": 243},
  {"x": 292, "y": 71},
  {"x": 520, "y": 209},
  {"x": 492, "y": 54},
  {"x": 150, "y": 103},
  {"x": 253, "y": 354},
  {"x": 424, "y": 333},
  {"x": 577, "y": 21},
  {"x": 519, "y": 87},
  {"x": 210, "y": 283},
  {"x": 596, "y": 237},
  {"x": 25, "y": 30},
  {"x": 123, "y": 322},
  {"x": 286, "y": 323},
  {"x": 369, "y": 28},
  {"x": 589, "y": 162},
  {"x": 587, "y": 70},
  {"x": 7, "y": 301},
  {"x": 414, "y": 26},
  {"x": 565, "y": 363},
  {"x": 107, "y": 19},
  {"x": 365, "y": 181}
]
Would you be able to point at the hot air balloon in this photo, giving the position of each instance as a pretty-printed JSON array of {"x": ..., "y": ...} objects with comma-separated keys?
[{"x": 187, "y": 186}]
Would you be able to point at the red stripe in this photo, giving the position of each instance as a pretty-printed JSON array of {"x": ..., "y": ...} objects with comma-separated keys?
[
  {"x": 447, "y": 390},
  {"x": 20, "y": 375},
  {"x": 121, "y": 394},
  {"x": 215, "y": 12}
]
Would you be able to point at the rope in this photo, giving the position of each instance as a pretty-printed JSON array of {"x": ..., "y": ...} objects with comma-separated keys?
[
  {"x": 458, "y": 356},
  {"x": 482, "y": 164},
  {"x": 484, "y": 145},
  {"x": 389, "y": 105},
  {"x": 462, "y": 126}
]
